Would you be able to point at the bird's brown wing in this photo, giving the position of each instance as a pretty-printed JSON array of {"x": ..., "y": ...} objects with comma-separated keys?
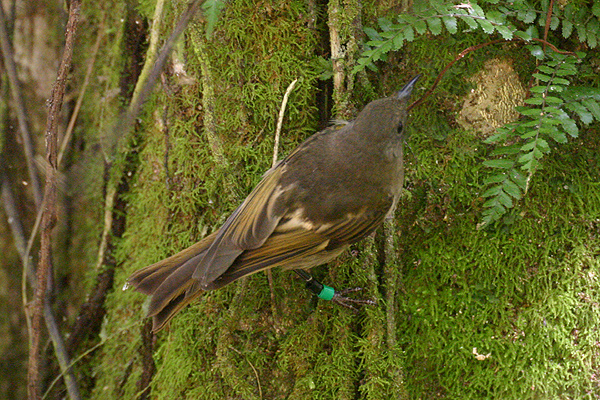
[
  {"x": 247, "y": 228},
  {"x": 296, "y": 243},
  {"x": 255, "y": 219}
]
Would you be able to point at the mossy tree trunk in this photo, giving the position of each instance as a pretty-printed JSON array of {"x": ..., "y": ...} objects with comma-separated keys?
[{"x": 461, "y": 313}]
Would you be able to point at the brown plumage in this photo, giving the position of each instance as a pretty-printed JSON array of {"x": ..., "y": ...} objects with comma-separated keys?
[{"x": 332, "y": 191}]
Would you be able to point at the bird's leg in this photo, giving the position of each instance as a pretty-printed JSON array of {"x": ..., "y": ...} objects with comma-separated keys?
[{"x": 328, "y": 293}]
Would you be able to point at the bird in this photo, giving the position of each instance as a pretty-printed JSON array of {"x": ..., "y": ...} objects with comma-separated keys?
[{"x": 332, "y": 191}]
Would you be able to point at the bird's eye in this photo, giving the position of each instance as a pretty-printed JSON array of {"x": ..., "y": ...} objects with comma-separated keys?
[{"x": 400, "y": 127}]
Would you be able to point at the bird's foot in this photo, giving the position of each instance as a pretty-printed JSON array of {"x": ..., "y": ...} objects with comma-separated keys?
[
  {"x": 343, "y": 300},
  {"x": 328, "y": 293}
]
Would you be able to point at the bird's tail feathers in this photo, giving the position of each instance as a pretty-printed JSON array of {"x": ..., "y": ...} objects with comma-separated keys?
[{"x": 170, "y": 283}]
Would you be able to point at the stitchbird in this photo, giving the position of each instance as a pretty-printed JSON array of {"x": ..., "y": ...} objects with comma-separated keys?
[{"x": 331, "y": 191}]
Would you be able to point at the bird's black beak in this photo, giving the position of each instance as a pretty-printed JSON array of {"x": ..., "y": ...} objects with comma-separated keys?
[{"x": 407, "y": 89}]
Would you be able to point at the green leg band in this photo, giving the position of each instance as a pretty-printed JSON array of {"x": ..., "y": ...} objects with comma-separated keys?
[
  {"x": 322, "y": 291},
  {"x": 327, "y": 293}
]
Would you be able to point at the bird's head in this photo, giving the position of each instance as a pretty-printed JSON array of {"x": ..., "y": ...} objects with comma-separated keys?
[{"x": 386, "y": 117}]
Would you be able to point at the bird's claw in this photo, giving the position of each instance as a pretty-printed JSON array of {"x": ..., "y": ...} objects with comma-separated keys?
[{"x": 349, "y": 302}]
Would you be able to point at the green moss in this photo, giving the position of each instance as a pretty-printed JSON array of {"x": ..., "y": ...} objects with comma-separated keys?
[{"x": 526, "y": 295}]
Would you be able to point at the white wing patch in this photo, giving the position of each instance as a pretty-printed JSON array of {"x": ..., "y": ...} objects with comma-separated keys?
[{"x": 297, "y": 220}]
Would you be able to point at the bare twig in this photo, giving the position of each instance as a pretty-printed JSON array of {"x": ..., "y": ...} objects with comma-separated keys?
[
  {"x": 275, "y": 156},
  {"x": 548, "y": 20},
  {"x": 11, "y": 71},
  {"x": 208, "y": 104},
  {"x": 152, "y": 49},
  {"x": 90, "y": 315},
  {"x": 391, "y": 273},
  {"x": 28, "y": 269},
  {"x": 337, "y": 49},
  {"x": 477, "y": 47},
  {"x": 109, "y": 202},
  {"x": 19, "y": 238},
  {"x": 345, "y": 28},
  {"x": 18, "y": 234},
  {"x": 12, "y": 215},
  {"x": 148, "y": 368},
  {"x": 84, "y": 85},
  {"x": 59, "y": 349},
  {"x": 144, "y": 89},
  {"x": 280, "y": 119},
  {"x": 49, "y": 212},
  {"x": 87, "y": 352},
  {"x": 253, "y": 369}
]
